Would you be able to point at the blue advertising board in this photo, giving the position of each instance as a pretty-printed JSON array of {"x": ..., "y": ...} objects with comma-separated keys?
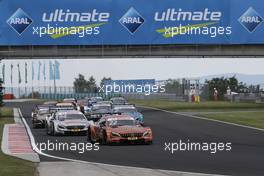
[{"x": 131, "y": 22}]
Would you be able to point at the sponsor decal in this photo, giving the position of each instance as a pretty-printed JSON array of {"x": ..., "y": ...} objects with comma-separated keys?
[
  {"x": 131, "y": 20},
  {"x": 172, "y": 14},
  {"x": 250, "y": 20},
  {"x": 19, "y": 21},
  {"x": 199, "y": 22},
  {"x": 61, "y": 15},
  {"x": 60, "y": 23}
]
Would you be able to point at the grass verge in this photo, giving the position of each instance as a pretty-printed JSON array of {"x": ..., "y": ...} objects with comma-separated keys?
[
  {"x": 9, "y": 165},
  {"x": 224, "y": 111},
  {"x": 253, "y": 119},
  {"x": 194, "y": 107}
]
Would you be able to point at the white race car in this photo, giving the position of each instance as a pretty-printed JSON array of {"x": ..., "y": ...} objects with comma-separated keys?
[{"x": 67, "y": 122}]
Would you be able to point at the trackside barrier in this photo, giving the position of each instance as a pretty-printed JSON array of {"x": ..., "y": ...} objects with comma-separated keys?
[{"x": 75, "y": 95}]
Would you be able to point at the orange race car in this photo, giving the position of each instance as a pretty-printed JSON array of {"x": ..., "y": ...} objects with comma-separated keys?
[{"x": 119, "y": 129}]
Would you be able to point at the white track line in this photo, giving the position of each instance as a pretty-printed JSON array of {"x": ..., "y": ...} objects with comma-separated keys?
[
  {"x": 203, "y": 118},
  {"x": 35, "y": 148}
]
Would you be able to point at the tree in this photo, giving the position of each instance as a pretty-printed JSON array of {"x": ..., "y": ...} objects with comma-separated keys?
[
  {"x": 172, "y": 86},
  {"x": 92, "y": 87},
  {"x": 221, "y": 85},
  {"x": 80, "y": 84},
  {"x": 105, "y": 79}
]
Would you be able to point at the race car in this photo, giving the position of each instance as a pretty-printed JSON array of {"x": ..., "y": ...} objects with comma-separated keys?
[
  {"x": 105, "y": 102},
  {"x": 130, "y": 110},
  {"x": 67, "y": 122},
  {"x": 119, "y": 129},
  {"x": 86, "y": 104},
  {"x": 38, "y": 107},
  {"x": 118, "y": 100},
  {"x": 98, "y": 110},
  {"x": 67, "y": 106},
  {"x": 94, "y": 100},
  {"x": 39, "y": 115}
]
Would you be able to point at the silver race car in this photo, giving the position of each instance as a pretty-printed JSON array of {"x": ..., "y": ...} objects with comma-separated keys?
[
  {"x": 39, "y": 117},
  {"x": 67, "y": 122},
  {"x": 39, "y": 114},
  {"x": 118, "y": 100},
  {"x": 98, "y": 110}
]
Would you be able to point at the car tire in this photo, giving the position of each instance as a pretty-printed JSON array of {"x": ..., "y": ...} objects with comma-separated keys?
[
  {"x": 104, "y": 140},
  {"x": 47, "y": 129},
  {"x": 34, "y": 125},
  {"x": 53, "y": 132},
  {"x": 89, "y": 139}
]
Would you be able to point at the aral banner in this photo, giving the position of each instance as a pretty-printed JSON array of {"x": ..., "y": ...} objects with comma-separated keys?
[{"x": 131, "y": 22}]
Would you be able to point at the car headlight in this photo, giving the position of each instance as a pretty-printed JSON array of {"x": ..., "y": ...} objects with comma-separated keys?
[
  {"x": 147, "y": 133},
  {"x": 115, "y": 134}
]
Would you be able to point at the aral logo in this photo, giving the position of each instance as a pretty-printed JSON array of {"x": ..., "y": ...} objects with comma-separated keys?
[
  {"x": 250, "y": 19},
  {"x": 132, "y": 20},
  {"x": 19, "y": 21}
]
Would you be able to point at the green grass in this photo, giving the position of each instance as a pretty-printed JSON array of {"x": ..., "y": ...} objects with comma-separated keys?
[
  {"x": 224, "y": 111},
  {"x": 11, "y": 166},
  {"x": 253, "y": 119},
  {"x": 6, "y": 112},
  {"x": 202, "y": 106}
]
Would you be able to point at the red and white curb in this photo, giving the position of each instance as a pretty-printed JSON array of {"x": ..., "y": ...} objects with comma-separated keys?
[{"x": 16, "y": 142}]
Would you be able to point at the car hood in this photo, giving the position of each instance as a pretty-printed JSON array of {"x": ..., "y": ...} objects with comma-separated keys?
[
  {"x": 129, "y": 129},
  {"x": 73, "y": 122}
]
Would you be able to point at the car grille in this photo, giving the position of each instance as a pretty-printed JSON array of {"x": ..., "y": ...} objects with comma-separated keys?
[
  {"x": 75, "y": 127},
  {"x": 132, "y": 135}
]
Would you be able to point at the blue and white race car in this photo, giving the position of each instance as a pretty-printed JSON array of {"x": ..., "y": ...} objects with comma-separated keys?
[{"x": 130, "y": 110}]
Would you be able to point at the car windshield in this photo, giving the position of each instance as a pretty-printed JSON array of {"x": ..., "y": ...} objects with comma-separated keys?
[
  {"x": 71, "y": 117},
  {"x": 119, "y": 101},
  {"x": 43, "y": 111},
  {"x": 96, "y": 99},
  {"x": 96, "y": 108},
  {"x": 112, "y": 123}
]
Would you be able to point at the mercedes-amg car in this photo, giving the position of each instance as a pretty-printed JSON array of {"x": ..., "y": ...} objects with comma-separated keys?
[
  {"x": 119, "y": 129},
  {"x": 130, "y": 110},
  {"x": 118, "y": 100},
  {"x": 98, "y": 110},
  {"x": 39, "y": 115},
  {"x": 67, "y": 122}
]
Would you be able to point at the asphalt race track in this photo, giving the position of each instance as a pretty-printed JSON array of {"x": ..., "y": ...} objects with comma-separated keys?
[{"x": 245, "y": 158}]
